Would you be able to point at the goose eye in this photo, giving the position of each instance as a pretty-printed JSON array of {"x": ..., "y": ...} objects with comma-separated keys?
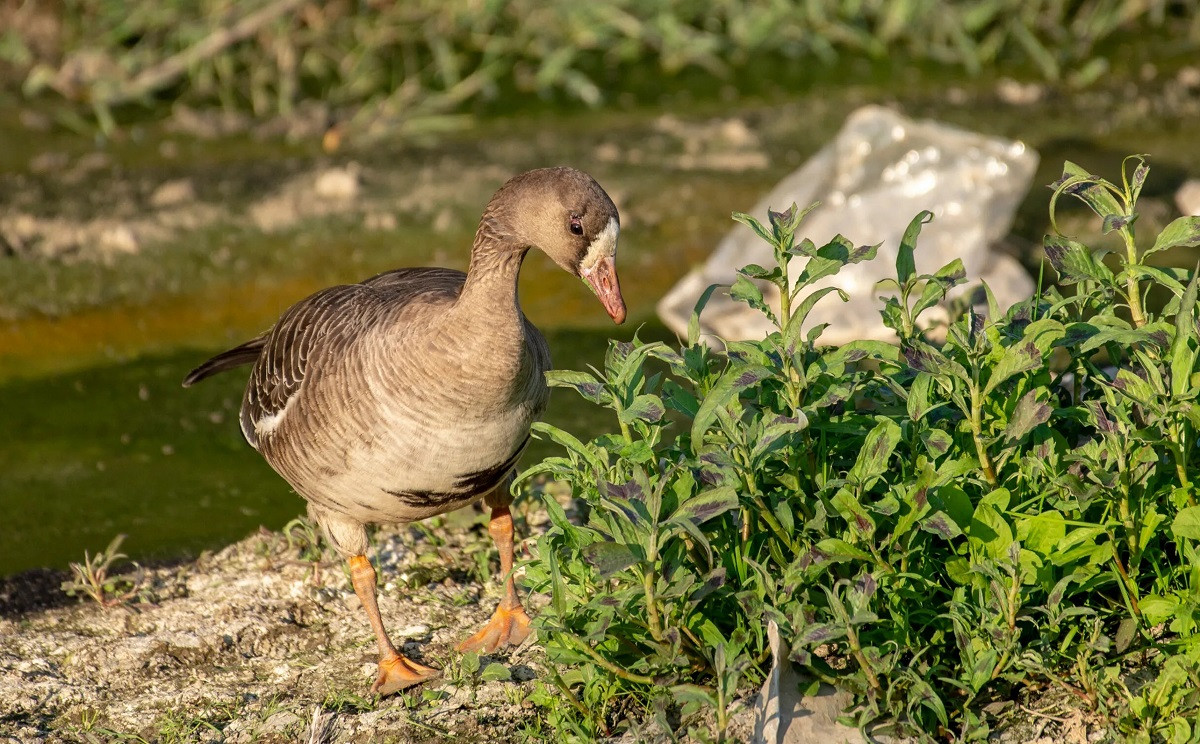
[{"x": 576, "y": 226}]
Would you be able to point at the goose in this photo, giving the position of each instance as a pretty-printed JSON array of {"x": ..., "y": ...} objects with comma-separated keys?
[{"x": 412, "y": 393}]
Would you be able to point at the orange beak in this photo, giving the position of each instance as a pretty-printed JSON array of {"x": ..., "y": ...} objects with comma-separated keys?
[{"x": 602, "y": 278}]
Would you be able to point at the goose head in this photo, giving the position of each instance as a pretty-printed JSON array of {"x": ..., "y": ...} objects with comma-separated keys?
[{"x": 565, "y": 214}]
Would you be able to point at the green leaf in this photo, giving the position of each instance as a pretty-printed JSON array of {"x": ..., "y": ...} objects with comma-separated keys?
[
  {"x": 645, "y": 407},
  {"x": 694, "y": 320},
  {"x": 744, "y": 290},
  {"x": 583, "y": 383},
  {"x": 840, "y": 551},
  {"x": 1029, "y": 413},
  {"x": 679, "y": 399},
  {"x": 906, "y": 264},
  {"x": 570, "y": 442},
  {"x": 1158, "y": 609},
  {"x": 470, "y": 662},
  {"x": 1184, "y": 231},
  {"x": 695, "y": 694},
  {"x": 609, "y": 557},
  {"x": 759, "y": 229},
  {"x": 876, "y": 450},
  {"x": 1122, "y": 336},
  {"x": 1088, "y": 189},
  {"x": 925, "y": 358},
  {"x": 728, "y": 386},
  {"x": 706, "y": 505},
  {"x": 800, "y": 313},
  {"x": 946, "y": 278},
  {"x": 1074, "y": 262},
  {"x": 1023, "y": 356},
  {"x": 495, "y": 672},
  {"x": 1187, "y": 524},
  {"x": 918, "y": 396},
  {"x": 1183, "y": 356},
  {"x": 990, "y": 531},
  {"x": 1042, "y": 533}
]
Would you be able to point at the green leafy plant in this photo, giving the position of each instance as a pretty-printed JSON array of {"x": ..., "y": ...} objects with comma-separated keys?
[
  {"x": 91, "y": 578},
  {"x": 1009, "y": 502}
]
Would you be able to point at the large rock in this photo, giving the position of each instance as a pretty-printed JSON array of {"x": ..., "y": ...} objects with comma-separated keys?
[
  {"x": 1188, "y": 197},
  {"x": 880, "y": 171}
]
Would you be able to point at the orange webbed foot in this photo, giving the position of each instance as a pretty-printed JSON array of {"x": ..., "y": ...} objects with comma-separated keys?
[
  {"x": 506, "y": 628},
  {"x": 399, "y": 672}
]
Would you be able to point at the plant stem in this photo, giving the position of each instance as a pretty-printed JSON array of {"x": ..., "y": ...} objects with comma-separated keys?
[
  {"x": 977, "y": 434},
  {"x": 566, "y": 690},
  {"x": 1133, "y": 289},
  {"x": 860, "y": 657},
  {"x": 1129, "y": 587},
  {"x": 1177, "y": 450},
  {"x": 649, "y": 579},
  {"x": 605, "y": 663}
]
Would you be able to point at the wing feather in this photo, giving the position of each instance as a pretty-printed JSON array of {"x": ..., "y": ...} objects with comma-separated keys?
[{"x": 324, "y": 325}]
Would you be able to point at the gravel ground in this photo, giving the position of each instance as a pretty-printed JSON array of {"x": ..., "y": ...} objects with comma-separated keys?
[{"x": 254, "y": 643}]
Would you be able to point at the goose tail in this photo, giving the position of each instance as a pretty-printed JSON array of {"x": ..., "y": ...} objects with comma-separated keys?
[{"x": 235, "y": 357}]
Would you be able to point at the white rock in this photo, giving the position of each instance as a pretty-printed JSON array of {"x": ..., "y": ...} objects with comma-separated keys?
[
  {"x": 872, "y": 179},
  {"x": 173, "y": 193},
  {"x": 1187, "y": 198},
  {"x": 338, "y": 183},
  {"x": 118, "y": 239}
]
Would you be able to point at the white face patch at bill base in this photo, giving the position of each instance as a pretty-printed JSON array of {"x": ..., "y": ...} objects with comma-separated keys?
[{"x": 604, "y": 245}]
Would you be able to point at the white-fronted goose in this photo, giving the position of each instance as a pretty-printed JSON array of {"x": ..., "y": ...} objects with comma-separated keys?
[{"x": 412, "y": 393}]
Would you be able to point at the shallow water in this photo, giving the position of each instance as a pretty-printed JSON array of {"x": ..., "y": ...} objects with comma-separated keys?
[{"x": 100, "y": 439}]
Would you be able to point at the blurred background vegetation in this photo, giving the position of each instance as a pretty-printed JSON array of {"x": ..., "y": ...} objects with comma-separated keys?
[{"x": 401, "y": 66}]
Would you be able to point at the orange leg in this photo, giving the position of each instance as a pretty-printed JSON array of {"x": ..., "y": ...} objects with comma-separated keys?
[
  {"x": 396, "y": 671},
  {"x": 509, "y": 625}
]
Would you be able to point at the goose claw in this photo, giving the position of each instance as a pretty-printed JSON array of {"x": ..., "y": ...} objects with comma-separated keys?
[
  {"x": 506, "y": 628},
  {"x": 399, "y": 672}
]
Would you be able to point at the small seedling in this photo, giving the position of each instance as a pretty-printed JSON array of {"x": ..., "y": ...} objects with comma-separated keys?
[{"x": 91, "y": 578}]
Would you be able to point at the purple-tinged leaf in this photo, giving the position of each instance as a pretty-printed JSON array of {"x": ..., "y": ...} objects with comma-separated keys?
[
  {"x": 866, "y": 585},
  {"x": 924, "y": 358},
  {"x": 1074, "y": 262},
  {"x": 819, "y": 633},
  {"x": 584, "y": 383},
  {"x": 937, "y": 442},
  {"x": 645, "y": 407},
  {"x": 1099, "y": 417},
  {"x": 629, "y": 491},
  {"x": 1183, "y": 232},
  {"x": 1019, "y": 358},
  {"x": 722, "y": 394},
  {"x": 706, "y": 505},
  {"x": 1028, "y": 414},
  {"x": 1117, "y": 221},
  {"x": 609, "y": 557},
  {"x": 940, "y": 524}
]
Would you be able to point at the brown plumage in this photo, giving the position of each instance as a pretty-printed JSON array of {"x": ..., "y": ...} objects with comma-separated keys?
[{"x": 412, "y": 393}]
